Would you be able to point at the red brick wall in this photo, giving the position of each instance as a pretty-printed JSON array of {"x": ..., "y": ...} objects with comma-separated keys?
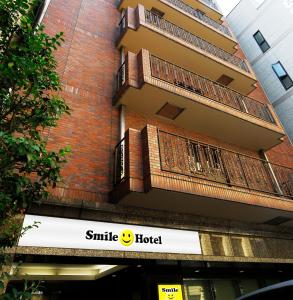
[
  {"x": 282, "y": 154},
  {"x": 87, "y": 63}
]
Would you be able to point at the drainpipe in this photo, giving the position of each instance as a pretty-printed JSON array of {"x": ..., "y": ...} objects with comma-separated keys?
[
  {"x": 45, "y": 7},
  {"x": 122, "y": 121},
  {"x": 122, "y": 107},
  {"x": 278, "y": 188}
]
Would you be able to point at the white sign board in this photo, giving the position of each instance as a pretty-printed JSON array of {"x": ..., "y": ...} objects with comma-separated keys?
[{"x": 80, "y": 234}]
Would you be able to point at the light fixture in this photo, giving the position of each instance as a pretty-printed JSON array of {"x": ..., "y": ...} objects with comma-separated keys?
[{"x": 45, "y": 272}]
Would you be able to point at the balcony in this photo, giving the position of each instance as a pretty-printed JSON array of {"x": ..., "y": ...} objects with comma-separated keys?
[
  {"x": 210, "y": 3},
  {"x": 201, "y": 16},
  {"x": 192, "y": 18},
  {"x": 159, "y": 170},
  {"x": 208, "y": 7},
  {"x": 154, "y": 87},
  {"x": 141, "y": 28}
]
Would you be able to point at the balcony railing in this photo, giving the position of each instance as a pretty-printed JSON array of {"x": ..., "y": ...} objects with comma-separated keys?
[
  {"x": 194, "y": 40},
  {"x": 122, "y": 25},
  {"x": 121, "y": 76},
  {"x": 211, "y": 4},
  {"x": 197, "y": 84},
  {"x": 183, "y": 156},
  {"x": 119, "y": 162},
  {"x": 200, "y": 15}
]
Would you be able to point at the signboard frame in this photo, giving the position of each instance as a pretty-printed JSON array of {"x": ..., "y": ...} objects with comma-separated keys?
[{"x": 54, "y": 232}]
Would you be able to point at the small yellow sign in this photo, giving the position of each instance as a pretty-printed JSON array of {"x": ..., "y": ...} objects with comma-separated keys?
[{"x": 170, "y": 292}]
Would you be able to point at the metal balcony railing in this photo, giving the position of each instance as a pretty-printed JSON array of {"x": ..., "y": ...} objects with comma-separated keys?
[
  {"x": 122, "y": 25},
  {"x": 197, "y": 84},
  {"x": 194, "y": 40},
  {"x": 119, "y": 162},
  {"x": 187, "y": 157},
  {"x": 121, "y": 76},
  {"x": 211, "y": 4},
  {"x": 200, "y": 15}
]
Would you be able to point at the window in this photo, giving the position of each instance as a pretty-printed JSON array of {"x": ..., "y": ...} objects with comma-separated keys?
[
  {"x": 282, "y": 75},
  {"x": 194, "y": 157},
  {"x": 263, "y": 44}
]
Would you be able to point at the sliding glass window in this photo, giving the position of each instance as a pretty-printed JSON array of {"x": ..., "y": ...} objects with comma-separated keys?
[
  {"x": 263, "y": 44},
  {"x": 282, "y": 75}
]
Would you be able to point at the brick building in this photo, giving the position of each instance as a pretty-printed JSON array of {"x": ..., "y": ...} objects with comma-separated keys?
[{"x": 171, "y": 136}]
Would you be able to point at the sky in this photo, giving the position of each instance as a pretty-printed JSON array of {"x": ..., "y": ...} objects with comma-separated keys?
[{"x": 227, "y": 5}]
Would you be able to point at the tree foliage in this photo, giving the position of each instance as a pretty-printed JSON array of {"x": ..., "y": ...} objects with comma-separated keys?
[{"x": 29, "y": 103}]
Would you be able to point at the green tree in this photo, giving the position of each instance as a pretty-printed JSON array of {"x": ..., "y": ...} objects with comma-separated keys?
[{"x": 29, "y": 103}]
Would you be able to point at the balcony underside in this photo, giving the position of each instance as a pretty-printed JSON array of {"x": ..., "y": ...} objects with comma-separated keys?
[
  {"x": 187, "y": 22},
  {"x": 186, "y": 56},
  {"x": 202, "y": 115},
  {"x": 179, "y": 202}
]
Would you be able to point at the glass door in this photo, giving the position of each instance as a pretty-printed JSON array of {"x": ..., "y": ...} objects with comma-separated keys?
[{"x": 197, "y": 290}]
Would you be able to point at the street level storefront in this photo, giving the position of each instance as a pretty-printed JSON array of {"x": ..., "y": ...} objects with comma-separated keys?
[
  {"x": 149, "y": 257},
  {"x": 81, "y": 278}
]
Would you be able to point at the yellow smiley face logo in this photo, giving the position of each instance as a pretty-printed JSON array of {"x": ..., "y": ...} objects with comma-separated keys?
[
  {"x": 126, "y": 237},
  {"x": 171, "y": 296}
]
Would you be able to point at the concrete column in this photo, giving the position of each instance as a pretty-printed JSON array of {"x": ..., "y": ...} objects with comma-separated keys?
[
  {"x": 247, "y": 247},
  {"x": 206, "y": 244}
]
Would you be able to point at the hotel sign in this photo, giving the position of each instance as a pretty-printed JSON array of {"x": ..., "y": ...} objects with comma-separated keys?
[
  {"x": 170, "y": 292},
  {"x": 80, "y": 234}
]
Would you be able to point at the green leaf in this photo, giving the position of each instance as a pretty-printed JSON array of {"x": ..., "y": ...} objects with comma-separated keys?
[{"x": 29, "y": 157}]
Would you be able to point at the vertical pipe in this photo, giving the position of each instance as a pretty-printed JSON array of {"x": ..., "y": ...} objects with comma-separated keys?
[
  {"x": 44, "y": 10},
  {"x": 122, "y": 107},
  {"x": 278, "y": 188},
  {"x": 122, "y": 121},
  {"x": 122, "y": 55}
]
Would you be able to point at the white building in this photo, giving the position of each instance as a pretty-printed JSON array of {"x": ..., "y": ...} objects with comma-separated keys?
[{"x": 264, "y": 29}]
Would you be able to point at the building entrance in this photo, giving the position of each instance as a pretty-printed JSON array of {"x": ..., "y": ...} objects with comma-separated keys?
[{"x": 125, "y": 279}]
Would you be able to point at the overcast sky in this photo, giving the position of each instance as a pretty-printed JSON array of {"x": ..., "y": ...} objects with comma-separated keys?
[{"x": 227, "y": 5}]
